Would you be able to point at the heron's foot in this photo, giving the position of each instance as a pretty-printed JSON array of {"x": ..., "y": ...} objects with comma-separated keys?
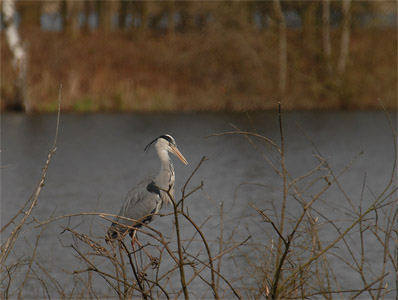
[{"x": 154, "y": 262}]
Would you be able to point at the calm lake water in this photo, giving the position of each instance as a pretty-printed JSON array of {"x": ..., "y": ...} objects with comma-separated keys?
[{"x": 101, "y": 156}]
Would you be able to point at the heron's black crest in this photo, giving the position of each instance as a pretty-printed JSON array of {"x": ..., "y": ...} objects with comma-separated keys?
[
  {"x": 164, "y": 136},
  {"x": 168, "y": 138},
  {"x": 149, "y": 145}
]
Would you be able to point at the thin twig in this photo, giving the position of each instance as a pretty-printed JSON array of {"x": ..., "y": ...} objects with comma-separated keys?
[
  {"x": 143, "y": 293},
  {"x": 247, "y": 133},
  {"x": 179, "y": 247},
  {"x": 220, "y": 245},
  {"x": 208, "y": 252},
  {"x": 7, "y": 246},
  {"x": 280, "y": 257},
  {"x": 204, "y": 158}
]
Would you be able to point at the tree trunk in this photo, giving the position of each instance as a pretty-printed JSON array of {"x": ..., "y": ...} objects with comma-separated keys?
[
  {"x": 170, "y": 17},
  {"x": 327, "y": 47},
  {"x": 282, "y": 46},
  {"x": 70, "y": 11},
  {"x": 19, "y": 57},
  {"x": 29, "y": 12},
  {"x": 141, "y": 10},
  {"x": 104, "y": 10},
  {"x": 86, "y": 12},
  {"x": 123, "y": 8},
  {"x": 185, "y": 9},
  {"x": 345, "y": 37},
  {"x": 309, "y": 18}
]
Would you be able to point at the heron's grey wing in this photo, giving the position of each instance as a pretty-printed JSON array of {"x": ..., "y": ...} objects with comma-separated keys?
[{"x": 141, "y": 201}]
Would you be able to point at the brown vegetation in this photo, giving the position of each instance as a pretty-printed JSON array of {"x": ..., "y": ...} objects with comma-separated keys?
[
  {"x": 227, "y": 63},
  {"x": 210, "y": 71}
]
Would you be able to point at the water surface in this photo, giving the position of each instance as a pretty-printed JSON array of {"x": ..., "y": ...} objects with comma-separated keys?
[{"x": 100, "y": 157}]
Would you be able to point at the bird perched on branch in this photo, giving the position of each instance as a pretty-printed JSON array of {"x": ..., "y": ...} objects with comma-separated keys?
[{"x": 147, "y": 198}]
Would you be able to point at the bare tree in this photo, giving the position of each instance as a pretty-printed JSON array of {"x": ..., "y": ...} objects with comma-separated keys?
[
  {"x": 282, "y": 46},
  {"x": 19, "y": 56},
  {"x": 345, "y": 37}
]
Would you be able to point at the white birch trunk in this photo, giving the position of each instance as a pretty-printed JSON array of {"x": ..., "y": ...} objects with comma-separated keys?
[{"x": 19, "y": 57}]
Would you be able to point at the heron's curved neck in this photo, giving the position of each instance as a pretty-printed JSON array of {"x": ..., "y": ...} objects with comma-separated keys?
[
  {"x": 164, "y": 159},
  {"x": 166, "y": 169}
]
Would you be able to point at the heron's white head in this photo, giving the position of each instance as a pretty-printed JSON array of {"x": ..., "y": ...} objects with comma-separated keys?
[{"x": 167, "y": 143}]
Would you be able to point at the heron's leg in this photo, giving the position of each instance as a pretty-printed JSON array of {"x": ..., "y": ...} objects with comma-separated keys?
[
  {"x": 133, "y": 239},
  {"x": 154, "y": 260}
]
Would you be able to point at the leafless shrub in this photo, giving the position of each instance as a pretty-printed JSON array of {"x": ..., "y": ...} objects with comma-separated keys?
[
  {"x": 297, "y": 260},
  {"x": 140, "y": 274},
  {"x": 17, "y": 224}
]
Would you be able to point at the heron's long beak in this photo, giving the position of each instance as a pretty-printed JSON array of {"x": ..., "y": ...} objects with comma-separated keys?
[{"x": 177, "y": 153}]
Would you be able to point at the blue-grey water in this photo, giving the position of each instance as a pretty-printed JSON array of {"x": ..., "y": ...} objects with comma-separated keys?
[{"x": 100, "y": 157}]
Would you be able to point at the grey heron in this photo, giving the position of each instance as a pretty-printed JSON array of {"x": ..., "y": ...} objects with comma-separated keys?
[{"x": 147, "y": 198}]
